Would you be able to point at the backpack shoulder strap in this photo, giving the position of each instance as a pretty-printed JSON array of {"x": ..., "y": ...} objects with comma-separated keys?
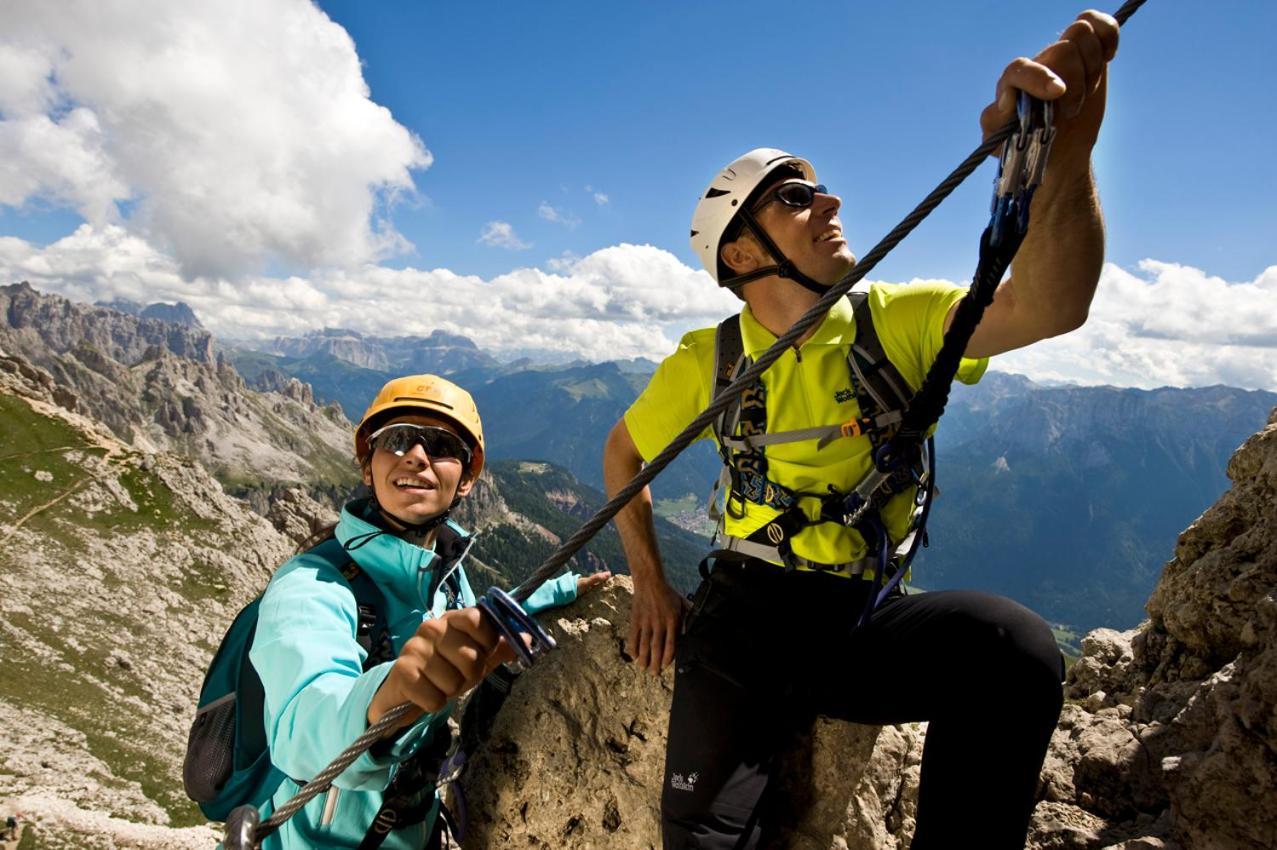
[
  {"x": 729, "y": 353},
  {"x": 876, "y": 374},
  {"x": 372, "y": 632}
]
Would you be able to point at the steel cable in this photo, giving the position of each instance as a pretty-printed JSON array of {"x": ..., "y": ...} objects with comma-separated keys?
[
  {"x": 685, "y": 438},
  {"x": 746, "y": 379}
]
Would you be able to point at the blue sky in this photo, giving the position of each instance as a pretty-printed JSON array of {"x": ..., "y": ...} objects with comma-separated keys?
[
  {"x": 645, "y": 101},
  {"x": 234, "y": 160}
]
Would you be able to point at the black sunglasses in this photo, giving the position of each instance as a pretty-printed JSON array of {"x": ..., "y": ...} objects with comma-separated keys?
[
  {"x": 792, "y": 193},
  {"x": 438, "y": 443}
]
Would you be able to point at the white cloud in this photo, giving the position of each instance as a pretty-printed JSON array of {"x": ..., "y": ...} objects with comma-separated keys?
[
  {"x": 501, "y": 234},
  {"x": 1169, "y": 324},
  {"x": 233, "y": 133},
  {"x": 622, "y": 301},
  {"x": 557, "y": 216},
  {"x": 600, "y": 198},
  {"x": 562, "y": 263},
  {"x": 1161, "y": 324}
]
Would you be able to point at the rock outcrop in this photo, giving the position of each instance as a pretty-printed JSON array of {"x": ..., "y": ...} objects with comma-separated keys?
[
  {"x": 574, "y": 758},
  {"x": 1171, "y": 740}
]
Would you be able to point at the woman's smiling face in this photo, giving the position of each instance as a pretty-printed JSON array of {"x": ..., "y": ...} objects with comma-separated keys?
[{"x": 414, "y": 487}]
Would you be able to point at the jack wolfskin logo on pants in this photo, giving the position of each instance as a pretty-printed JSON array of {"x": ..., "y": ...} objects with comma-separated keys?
[{"x": 678, "y": 783}]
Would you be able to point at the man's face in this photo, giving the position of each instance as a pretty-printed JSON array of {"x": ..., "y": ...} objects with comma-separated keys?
[{"x": 810, "y": 237}]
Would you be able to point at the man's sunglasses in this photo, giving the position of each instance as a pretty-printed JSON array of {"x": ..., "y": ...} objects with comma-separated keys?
[
  {"x": 438, "y": 443},
  {"x": 792, "y": 193}
]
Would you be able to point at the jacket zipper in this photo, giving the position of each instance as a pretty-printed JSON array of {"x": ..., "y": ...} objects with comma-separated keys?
[{"x": 330, "y": 806}]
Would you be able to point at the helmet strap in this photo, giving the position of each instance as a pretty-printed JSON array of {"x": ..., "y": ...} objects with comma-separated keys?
[
  {"x": 414, "y": 533},
  {"x": 784, "y": 266}
]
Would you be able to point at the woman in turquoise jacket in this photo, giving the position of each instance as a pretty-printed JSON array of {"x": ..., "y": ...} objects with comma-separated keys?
[{"x": 420, "y": 447}]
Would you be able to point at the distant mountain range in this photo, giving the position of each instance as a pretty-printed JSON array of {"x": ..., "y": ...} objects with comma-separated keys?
[
  {"x": 1066, "y": 498},
  {"x": 441, "y": 353},
  {"x": 556, "y": 414},
  {"x": 1062, "y": 497}
]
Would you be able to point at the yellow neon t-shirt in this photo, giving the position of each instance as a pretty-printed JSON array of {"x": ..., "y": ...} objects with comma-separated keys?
[{"x": 804, "y": 389}]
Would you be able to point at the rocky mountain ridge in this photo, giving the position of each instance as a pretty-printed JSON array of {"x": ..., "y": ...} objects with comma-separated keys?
[{"x": 160, "y": 385}]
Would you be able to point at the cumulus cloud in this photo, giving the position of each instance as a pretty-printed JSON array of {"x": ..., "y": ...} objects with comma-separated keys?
[
  {"x": 1160, "y": 324},
  {"x": 621, "y": 301},
  {"x": 502, "y": 235},
  {"x": 557, "y": 216},
  {"x": 231, "y": 134},
  {"x": 1165, "y": 324},
  {"x": 562, "y": 263}
]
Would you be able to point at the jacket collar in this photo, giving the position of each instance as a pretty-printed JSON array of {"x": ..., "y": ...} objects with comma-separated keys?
[
  {"x": 409, "y": 572},
  {"x": 837, "y": 328}
]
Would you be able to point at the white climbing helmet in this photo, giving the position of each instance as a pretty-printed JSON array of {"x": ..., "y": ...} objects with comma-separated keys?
[{"x": 726, "y": 195}]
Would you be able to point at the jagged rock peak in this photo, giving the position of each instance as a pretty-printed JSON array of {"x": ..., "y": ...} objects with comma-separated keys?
[
  {"x": 160, "y": 385},
  {"x": 179, "y": 313},
  {"x": 62, "y": 325}
]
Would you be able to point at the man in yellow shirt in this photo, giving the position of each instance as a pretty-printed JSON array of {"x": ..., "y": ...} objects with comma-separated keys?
[{"x": 771, "y": 639}]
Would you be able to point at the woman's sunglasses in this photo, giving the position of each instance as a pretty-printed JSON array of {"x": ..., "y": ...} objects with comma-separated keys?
[
  {"x": 438, "y": 443},
  {"x": 792, "y": 193}
]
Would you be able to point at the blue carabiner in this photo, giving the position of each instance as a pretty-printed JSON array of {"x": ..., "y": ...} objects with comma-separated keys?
[{"x": 512, "y": 622}]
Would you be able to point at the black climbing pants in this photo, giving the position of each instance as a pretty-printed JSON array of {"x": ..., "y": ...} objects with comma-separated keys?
[{"x": 764, "y": 652}]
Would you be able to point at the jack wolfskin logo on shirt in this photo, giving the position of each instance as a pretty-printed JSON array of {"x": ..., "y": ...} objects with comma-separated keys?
[
  {"x": 678, "y": 783},
  {"x": 843, "y": 396}
]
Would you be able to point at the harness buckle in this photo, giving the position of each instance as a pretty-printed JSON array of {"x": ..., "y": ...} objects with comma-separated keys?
[
  {"x": 852, "y": 427},
  {"x": 787, "y": 558}
]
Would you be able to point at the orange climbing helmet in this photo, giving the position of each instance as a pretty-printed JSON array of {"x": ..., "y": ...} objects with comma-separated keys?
[{"x": 430, "y": 394}]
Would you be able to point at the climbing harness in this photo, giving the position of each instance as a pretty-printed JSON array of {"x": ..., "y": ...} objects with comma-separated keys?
[
  {"x": 1021, "y": 168},
  {"x": 741, "y": 434}
]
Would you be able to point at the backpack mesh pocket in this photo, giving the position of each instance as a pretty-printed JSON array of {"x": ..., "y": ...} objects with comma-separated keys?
[{"x": 210, "y": 750}]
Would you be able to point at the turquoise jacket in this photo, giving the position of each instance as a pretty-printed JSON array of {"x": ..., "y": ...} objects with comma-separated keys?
[{"x": 317, "y": 693}]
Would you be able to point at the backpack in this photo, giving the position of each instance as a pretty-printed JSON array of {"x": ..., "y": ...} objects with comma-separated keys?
[{"x": 227, "y": 761}]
